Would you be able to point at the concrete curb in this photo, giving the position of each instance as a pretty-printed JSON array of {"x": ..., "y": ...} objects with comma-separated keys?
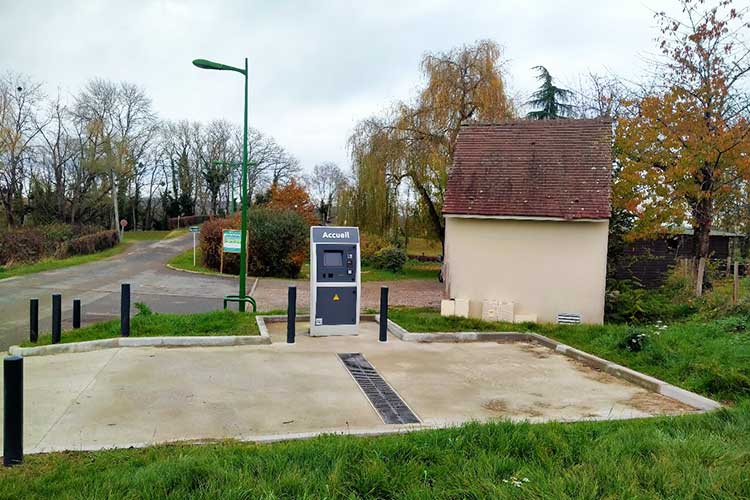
[
  {"x": 647, "y": 382},
  {"x": 217, "y": 275},
  {"x": 117, "y": 342}
]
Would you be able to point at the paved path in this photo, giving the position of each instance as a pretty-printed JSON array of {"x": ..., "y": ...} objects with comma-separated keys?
[
  {"x": 140, "y": 396},
  {"x": 97, "y": 284}
]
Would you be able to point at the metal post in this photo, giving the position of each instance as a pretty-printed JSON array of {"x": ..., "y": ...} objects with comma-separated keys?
[
  {"x": 56, "y": 318},
  {"x": 34, "y": 320},
  {"x": 13, "y": 414},
  {"x": 244, "y": 203},
  {"x": 736, "y": 284},
  {"x": 383, "y": 314},
  {"x": 125, "y": 310},
  {"x": 76, "y": 313},
  {"x": 291, "y": 315}
]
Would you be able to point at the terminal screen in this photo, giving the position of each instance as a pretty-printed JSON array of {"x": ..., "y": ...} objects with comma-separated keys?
[{"x": 333, "y": 258}]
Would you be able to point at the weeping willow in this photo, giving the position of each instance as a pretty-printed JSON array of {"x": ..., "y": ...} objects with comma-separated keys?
[{"x": 413, "y": 142}]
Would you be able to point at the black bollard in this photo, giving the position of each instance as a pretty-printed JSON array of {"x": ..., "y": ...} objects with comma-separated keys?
[
  {"x": 34, "y": 320},
  {"x": 76, "y": 313},
  {"x": 291, "y": 315},
  {"x": 125, "y": 310},
  {"x": 56, "y": 318},
  {"x": 13, "y": 411},
  {"x": 383, "y": 314}
]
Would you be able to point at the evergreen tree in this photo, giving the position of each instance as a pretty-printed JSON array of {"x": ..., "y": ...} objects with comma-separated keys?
[{"x": 549, "y": 102}]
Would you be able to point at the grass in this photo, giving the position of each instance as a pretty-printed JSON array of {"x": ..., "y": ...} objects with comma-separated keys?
[
  {"x": 687, "y": 457},
  {"x": 424, "y": 246},
  {"x": 699, "y": 456},
  {"x": 184, "y": 261},
  {"x": 154, "y": 235},
  {"x": 413, "y": 270},
  {"x": 710, "y": 356},
  {"x": 148, "y": 324},
  {"x": 51, "y": 263}
]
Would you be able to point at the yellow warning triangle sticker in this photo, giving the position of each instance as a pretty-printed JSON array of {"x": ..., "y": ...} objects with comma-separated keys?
[{"x": 336, "y": 297}]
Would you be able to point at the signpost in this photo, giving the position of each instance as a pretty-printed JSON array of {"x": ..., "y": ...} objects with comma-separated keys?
[
  {"x": 231, "y": 242},
  {"x": 194, "y": 230},
  {"x": 123, "y": 225}
]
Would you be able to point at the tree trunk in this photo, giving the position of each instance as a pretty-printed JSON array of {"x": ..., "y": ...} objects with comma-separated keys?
[
  {"x": 115, "y": 207},
  {"x": 701, "y": 249},
  {"x": 435, "y": 217}
]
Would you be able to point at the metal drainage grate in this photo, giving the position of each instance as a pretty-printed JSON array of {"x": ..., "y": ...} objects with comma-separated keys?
[{"x": 383, "y": 398}]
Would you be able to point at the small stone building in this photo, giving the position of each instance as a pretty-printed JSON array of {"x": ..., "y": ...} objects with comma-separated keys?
[{"x": 526, "y": 212}]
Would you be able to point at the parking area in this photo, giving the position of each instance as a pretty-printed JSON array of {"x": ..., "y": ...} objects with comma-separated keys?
[{"x": 138, "y": 396}]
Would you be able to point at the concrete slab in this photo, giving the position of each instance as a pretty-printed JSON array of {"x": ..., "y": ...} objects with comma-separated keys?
[{"x": 139, "y": 396}]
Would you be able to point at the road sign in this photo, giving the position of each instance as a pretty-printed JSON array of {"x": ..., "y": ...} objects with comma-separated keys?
[
  {"x": 231, "y": 241},
  {"x": 123, "y": 223},
  {"x": 194, "y": 230}
]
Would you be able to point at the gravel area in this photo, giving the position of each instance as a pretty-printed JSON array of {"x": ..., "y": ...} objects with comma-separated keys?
[{"x": 272, "y": 293}]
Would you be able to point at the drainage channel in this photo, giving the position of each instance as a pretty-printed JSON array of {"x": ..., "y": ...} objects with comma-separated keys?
[{"x": 389, "y": 405}]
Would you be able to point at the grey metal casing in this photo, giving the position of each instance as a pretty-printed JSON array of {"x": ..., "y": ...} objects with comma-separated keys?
[{"x": 333, "y": 279}]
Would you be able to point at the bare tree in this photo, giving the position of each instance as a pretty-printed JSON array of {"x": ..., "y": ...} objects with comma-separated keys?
[
  {"x": 324, "y": 184},
  {"x": 19, "y": 98}
]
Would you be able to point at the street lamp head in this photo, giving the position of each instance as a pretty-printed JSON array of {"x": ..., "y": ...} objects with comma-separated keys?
[{"x": 206, "y": 64}]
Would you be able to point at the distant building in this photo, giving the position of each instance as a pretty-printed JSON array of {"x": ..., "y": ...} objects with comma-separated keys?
[
  {"x": 526, "y": 212},
  {"x": 648, "y": 261}
]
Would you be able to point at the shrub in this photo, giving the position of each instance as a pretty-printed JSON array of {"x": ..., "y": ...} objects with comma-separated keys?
[
  {"x": 626, "y": 302},
  {"x": 277, "y": 243},
  {"x": 90, "y": 243},
  {"x": 25, "y": 244},
  {"x": 210, "y": 242},
  {"x": 390, "y": 259},
  {"x": 32, "y": 243},
  {"x": 635, "y": 340},
  {"x": 369, "y": 245}
]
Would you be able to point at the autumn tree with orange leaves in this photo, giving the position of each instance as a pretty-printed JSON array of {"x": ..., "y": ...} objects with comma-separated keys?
[{"x": 684, "y": 153}]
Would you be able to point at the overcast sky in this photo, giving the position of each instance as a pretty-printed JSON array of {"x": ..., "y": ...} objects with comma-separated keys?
[{"x": 316, "y": 68}]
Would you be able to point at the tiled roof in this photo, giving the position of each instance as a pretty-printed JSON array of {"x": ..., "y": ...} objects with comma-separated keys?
[{"x": 532, "y": 168}]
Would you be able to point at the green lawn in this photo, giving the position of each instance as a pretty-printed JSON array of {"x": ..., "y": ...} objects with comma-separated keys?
[
  {"x": 412, "y": 269},
  {"x": 148, "y": 324},
  {"x": 184, "y": 261},
  {"x": 154, "y": 235},
  {"x": 51, "y": 264},
  {"x": 698, "y": 456},
  {"x": 689, "y": 457},
  {"x": 423, "y": 246}
]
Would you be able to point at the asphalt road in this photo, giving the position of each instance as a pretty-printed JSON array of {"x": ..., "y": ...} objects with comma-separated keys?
[{"x": 97, "y": 284}]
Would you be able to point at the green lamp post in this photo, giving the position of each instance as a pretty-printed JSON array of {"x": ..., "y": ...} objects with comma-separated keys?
[{"x": 204, "y": 64}]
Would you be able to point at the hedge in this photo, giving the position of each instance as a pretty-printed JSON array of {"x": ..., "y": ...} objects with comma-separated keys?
[
  {"x": 28, "y": 244},
  {"x": 91, "y": 243},
  {"x": 277, "y": 243}
]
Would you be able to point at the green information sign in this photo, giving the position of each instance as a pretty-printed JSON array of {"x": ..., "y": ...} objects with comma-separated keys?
[{"x": 231, "y": 241}]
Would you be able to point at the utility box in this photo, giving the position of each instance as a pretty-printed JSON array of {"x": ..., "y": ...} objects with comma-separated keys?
[{"x": 335, "y": 286}]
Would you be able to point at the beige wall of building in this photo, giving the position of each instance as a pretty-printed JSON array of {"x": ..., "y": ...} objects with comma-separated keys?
[{"x": 545, "y": 266}]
